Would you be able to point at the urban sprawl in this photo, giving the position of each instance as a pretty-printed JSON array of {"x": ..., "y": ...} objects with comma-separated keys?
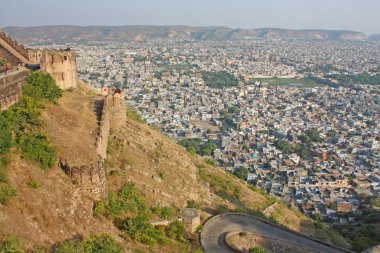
[{"x": 298, "y": 119}]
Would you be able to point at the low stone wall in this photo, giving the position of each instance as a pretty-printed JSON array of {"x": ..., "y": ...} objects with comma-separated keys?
[
  {"x": 269, "y": 243},
  {"x": 91, "y": 178},
  {"x": 10, "y": 88}
]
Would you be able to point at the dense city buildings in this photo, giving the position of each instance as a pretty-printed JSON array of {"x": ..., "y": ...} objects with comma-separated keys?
[{"x": 273, "y": 112}]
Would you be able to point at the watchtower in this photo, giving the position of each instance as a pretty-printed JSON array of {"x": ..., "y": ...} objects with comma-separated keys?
[{"x": 62, "y": 65}]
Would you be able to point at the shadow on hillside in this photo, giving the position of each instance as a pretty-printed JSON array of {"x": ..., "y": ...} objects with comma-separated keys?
[{"x": 98, "y": 107}]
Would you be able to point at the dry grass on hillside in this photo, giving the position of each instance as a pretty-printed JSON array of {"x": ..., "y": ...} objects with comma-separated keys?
[
  {"x": 167, "y": 174},
  {"x": 164, "y": 172},
  {"x": 72, "y": 126},
  {"x": 48, "y": 209}
]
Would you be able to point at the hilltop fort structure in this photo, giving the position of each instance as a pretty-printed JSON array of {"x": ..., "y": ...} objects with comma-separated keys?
[{"x": 60, "y": 64}]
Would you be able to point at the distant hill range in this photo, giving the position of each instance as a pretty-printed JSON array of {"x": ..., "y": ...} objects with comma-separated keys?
[
  {"x": 375, "y": 37},
  {"x": 137, "y": 33}
]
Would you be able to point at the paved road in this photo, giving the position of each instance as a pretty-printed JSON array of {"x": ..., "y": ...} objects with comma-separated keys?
[{"x": 215, "y": 230}]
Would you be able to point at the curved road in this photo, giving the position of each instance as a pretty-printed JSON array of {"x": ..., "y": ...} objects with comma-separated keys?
[{"x": 215, "y": 230}]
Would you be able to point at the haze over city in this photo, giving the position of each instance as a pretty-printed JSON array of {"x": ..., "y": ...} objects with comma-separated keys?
[
  {"x": 204, "y": 126},
  {"x": 291, "y": 14}
]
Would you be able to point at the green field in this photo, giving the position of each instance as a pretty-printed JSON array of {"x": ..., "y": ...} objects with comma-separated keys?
[{"x": 294, "y": 82}]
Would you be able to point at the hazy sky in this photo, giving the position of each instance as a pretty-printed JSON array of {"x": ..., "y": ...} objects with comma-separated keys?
[{"x": 359, "y": 15}]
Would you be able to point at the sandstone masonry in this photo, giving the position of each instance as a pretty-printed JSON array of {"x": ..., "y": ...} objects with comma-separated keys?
[
  {"x": 91, "y": 178},
  {"x": 61, "y": 64}
]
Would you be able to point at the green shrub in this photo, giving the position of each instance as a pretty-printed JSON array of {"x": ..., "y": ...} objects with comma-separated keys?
[
  {"x": 135, "y": 116},
  {"x": 6, "y": 193},
  {"x": 42, "y": 86},
  {"x": 219, "y": 185},
  {"x": 145, "y": 239},
  {"x": 176, "y": 230},
  {"x": 3, "y": 61},
  {"x": 40, "y": 249},
  {"x": 71, "y": 246},
  {"x": 164, "y": 212},
  {"x": 36, "y": 147},
  {"x": 3, "y": 164},
  {"x": 100, "y": 208},
  {"x": 362, "y": 243},
  {"x": 127, "y": 200},
  {"x": 34, "y": 184},
  {"x": 193, "y": 204},
  {"x": 210, "y": 162},
  {"x": 140, "y": 229},
  {"x": 21, "y": 123},
  {"x": 11, "y": 245},
  {"x": 258, "y": 250},
  {"x": 101, "y": 244},
  {"x": 6, "y": 140}
]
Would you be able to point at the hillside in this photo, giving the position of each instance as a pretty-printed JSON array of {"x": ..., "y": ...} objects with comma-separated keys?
[
  {"x": 51, "y": 34},
  {"x": 374, "y": 37},
  {"x": 51, "y": 208}
]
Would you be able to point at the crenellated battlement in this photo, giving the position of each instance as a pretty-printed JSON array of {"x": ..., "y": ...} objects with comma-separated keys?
[
  {"x": 18, "y": 47},
  {"x": 61, "y": 64}
]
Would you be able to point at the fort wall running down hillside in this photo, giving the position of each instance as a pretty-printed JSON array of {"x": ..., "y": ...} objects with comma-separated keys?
[
  {"x": 113, "y": 116},
  {"x": 103, "y": 133},
  {"x": 91, "y": 178},
  {"x": 10, "y": 88},
  {"x": 6, "y": 40},
  {"x": 115, "y": 106}
]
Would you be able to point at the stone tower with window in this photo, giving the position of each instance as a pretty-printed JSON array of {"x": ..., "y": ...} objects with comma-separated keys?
[{"x": 62, "y": 66}]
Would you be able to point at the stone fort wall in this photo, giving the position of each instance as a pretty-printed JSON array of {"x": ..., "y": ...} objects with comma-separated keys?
[
  {"x": 10, "y": 89},
  {"x": 18, "y": 47},
  {"x": 60, "y": 64},
  {"x": 116, "y": 107},
  {"x": 113, "y": 116},
  {"x": 103, "y": 133},
  {"x": 91, "y": 178}
]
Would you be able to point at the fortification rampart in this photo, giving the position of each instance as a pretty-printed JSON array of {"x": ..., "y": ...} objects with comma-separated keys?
[
  {"x": 10, "y": 88},
  {"x": 113, "y": 116},
  {"x": 91, "y": 178},
  {"x": 103, "y": 133},
  {"x": 14, "y": 44},
  {"x": 116, "y": 106}
]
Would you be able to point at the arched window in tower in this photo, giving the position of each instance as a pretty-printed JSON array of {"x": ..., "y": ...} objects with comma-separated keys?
[{"x": 65, "y": 58}]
